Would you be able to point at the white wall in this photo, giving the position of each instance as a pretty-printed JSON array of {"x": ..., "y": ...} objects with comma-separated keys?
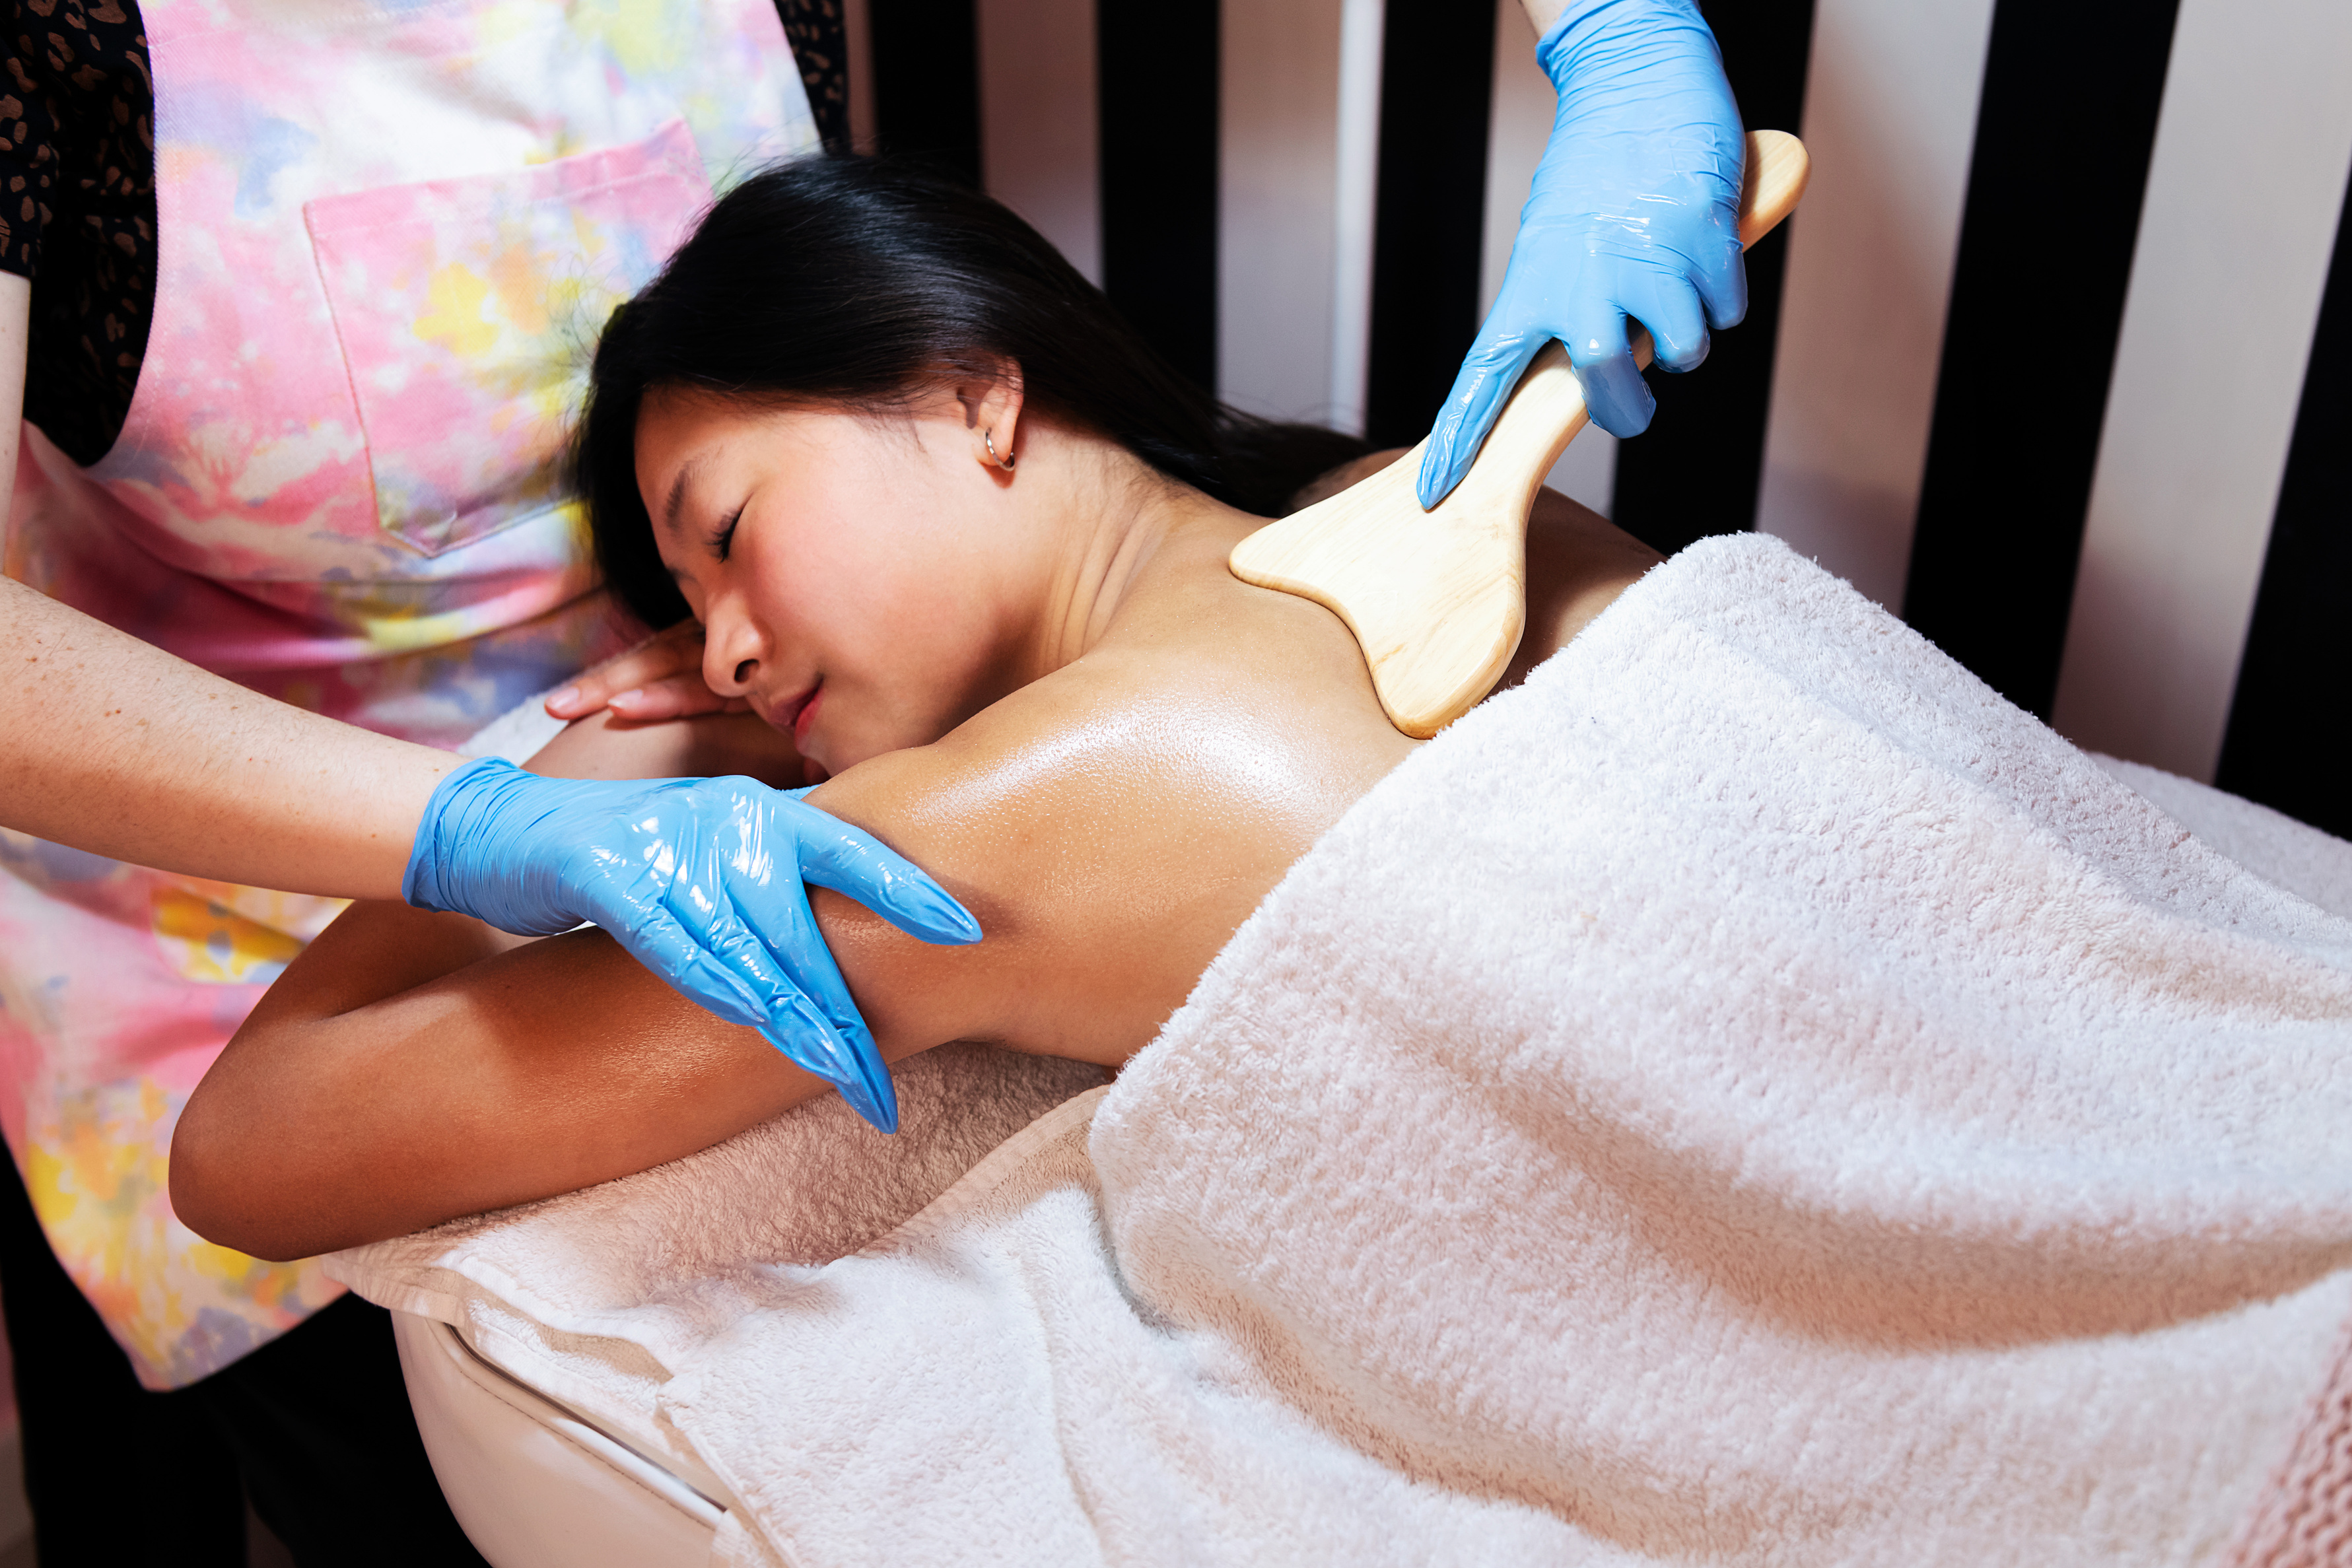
[
  {"x": 1040, "y": 144},
  {"x": 2251, "y": 153},
  {"x": 1355, "y": 208},
  {"x": 1890, "y": 120},
  {"x": 1279, "y": 148},
  {"x": 1294, "y": 268}
]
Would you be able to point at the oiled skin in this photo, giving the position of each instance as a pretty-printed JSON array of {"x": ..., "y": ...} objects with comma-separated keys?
[{"x": 1110, "y": 826}]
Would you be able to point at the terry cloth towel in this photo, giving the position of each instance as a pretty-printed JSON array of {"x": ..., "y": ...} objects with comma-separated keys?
[
  {"x": 592, "y": 1296},
  {"x": 1750, "y": 1095}
]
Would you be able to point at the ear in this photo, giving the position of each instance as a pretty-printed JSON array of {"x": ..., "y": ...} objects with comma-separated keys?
[{"x": 992, "y": 413}]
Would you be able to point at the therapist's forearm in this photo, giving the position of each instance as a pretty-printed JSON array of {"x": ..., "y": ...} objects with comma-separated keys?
[
  {"x": 117, "y": 748},
  {"x": 114, "y": 747}
]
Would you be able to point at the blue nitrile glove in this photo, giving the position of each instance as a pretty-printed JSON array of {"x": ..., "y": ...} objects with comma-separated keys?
[
  {"x": 701, "y": 879},
  {"x": 1635, "y": 211}
]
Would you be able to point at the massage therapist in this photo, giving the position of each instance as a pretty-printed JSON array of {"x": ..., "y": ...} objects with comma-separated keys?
[{"x": 295, "y": 294}]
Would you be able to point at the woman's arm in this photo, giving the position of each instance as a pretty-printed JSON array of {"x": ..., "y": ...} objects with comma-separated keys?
[
  {"x": 481, "y": 1078},
  {"x": 1109, "y": 833},
  {"x": 409, "y": 1068},
  {"x": 421, "y": 1044},
  {"x": 660, "y": 678}
]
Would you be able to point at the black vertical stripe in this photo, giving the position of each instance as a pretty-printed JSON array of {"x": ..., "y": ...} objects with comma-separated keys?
[
  {"x": 927, "y": 82},
  {"x": 1158, "y": 69},
  {"x": 1437, "y": 83},
  {"x": 1696, "y": 470},
  {"x": 2289, "y": 727},
  {"x": 2065, "y": 133}
]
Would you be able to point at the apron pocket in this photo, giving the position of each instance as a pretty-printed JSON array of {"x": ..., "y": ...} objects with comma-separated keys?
[{"x": 468, "y": 309}]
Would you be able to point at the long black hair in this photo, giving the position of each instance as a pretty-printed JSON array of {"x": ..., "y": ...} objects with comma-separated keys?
[{"x": 857, "y": 283}]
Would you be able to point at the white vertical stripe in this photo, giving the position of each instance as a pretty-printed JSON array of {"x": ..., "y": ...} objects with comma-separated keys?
[
  {"x": 1516, "y": 132},
  {"x": 1890, "y": 120},
  {"x": 2251, "y": 153},
  {"x": 1277, "y": 195},
  {"x": 1359, "y": 176},
  {"x": 1040, "y": 147},
  {"x": 857, "y": 36}
]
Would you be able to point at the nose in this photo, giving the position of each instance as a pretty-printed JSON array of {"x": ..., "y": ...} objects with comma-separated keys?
[{"x": 732, "y": 647}]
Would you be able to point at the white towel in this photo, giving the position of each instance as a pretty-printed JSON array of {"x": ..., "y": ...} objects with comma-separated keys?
[
  {"x": 1750, "y": 1095},
  {"x": 591, "y": 1297}
]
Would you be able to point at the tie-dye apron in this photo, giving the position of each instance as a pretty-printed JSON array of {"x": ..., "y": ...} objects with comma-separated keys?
[{"x": 388, "y": 234}]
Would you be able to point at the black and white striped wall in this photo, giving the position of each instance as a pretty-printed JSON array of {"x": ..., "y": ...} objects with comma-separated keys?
[{"x": 2056, "y": 361}]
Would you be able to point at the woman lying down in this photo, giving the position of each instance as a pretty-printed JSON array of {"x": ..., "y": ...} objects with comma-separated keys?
[{"x": 959, "y": 537}]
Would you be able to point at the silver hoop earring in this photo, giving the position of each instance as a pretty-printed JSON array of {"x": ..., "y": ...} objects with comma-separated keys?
[{"x": 988, "y": 439}]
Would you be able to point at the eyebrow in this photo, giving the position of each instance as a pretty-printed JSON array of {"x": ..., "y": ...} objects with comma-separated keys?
[{"x": 677, "y": 492}]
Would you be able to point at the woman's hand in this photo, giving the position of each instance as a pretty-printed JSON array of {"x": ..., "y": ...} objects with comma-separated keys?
[{"x": 659, "y": 678}]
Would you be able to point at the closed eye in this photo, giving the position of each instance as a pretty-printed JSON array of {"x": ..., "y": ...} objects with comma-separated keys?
[{"x": 722, "y": 539}]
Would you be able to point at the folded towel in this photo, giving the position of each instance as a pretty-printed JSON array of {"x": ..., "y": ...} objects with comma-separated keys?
[
  {"x": 1749, "y": 1095},
  {"x": 593, "y": 1296}
]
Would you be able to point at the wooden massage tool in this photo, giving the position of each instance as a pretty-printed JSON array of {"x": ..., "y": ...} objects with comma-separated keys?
[{"x": 1437, "y": 600}]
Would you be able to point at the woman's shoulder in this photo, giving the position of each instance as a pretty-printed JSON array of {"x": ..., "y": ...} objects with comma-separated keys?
[
  {"x": 1246, "y": 732},
  {"x": 1208, "y": 690}
]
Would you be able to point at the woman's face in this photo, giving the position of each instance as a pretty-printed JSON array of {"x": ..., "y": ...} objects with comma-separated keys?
[{"x": 861, "y": 580}]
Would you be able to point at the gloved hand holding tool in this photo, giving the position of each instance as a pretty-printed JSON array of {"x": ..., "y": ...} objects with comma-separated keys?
[
  {"x": 1437, "y": 596},
  {"x": 1633, "y": 213},
  {"x": 700, "y": 879}
]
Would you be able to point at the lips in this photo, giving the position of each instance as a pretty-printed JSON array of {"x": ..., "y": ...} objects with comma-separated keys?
[
  {"x": 804, "y": 715},
  {"x": 796, "y": 714}
]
